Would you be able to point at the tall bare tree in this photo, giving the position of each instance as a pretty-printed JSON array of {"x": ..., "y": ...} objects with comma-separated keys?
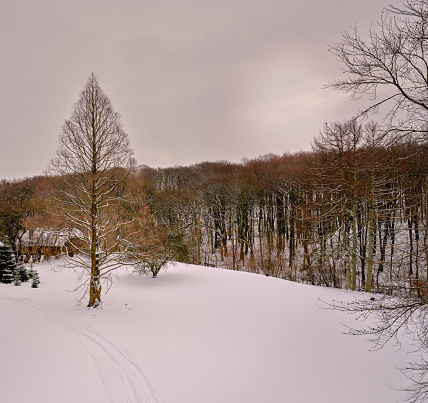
[
  {"x": 390, "y": 65},
  {"x": 337, "y": 146},
  {"x": 93, "y": 159}
]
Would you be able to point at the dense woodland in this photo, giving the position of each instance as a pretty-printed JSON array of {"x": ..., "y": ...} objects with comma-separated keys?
[{"x": 351, "y": 213}]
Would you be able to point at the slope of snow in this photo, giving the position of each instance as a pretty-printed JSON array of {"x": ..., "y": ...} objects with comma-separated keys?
[{"x": 194, "y": 334}]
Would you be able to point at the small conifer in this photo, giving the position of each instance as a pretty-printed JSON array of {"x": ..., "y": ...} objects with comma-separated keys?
[
  {"x": 7, "y": 277},
  {"x": 17, "y": 278},
  {"x": 35, "y": 279},
  {"x": 22, "y": 272},
  {"x": 7, "y": 264}
]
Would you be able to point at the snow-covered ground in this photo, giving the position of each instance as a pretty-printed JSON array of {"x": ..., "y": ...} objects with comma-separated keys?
[{"x": 193, "y": 335}]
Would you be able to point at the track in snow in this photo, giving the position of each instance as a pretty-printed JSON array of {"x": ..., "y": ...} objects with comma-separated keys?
[{"x": 122, "y": 379}]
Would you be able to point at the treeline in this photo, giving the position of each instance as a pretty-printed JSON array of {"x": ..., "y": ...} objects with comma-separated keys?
[{"x": 352, "y": 213}]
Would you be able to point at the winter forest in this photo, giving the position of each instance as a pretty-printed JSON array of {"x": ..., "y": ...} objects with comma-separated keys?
[{"x": 351, "y": 213}]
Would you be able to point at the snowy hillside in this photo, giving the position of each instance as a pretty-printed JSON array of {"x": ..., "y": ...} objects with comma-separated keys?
[{"x": 193, "y": 335}]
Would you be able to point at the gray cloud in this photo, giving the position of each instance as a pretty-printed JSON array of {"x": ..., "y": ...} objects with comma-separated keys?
[{"x": 193, "y": 80}]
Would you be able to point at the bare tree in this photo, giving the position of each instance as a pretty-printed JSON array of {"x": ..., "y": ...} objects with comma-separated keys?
[
  {"x": 17, "y": 207},
  {"x": 392, "y": 317},
  {"x": 93, "y": 159},
  {"x": 390, "y": 66},
  {"x": 337, "y": 147}
]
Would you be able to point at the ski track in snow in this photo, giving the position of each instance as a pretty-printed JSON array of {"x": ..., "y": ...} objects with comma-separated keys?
[{"x": 121, "y": 377}]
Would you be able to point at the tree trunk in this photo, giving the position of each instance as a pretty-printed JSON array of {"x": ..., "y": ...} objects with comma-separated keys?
[
  {"x": 370, "y": 252},
  {"x": 354, "y": 246}
]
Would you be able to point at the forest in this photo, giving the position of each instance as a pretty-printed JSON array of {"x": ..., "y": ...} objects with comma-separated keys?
[{"x": 352, "y": 213}]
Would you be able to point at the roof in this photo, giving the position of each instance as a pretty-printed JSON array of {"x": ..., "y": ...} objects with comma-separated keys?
[{"x": 48, "y": 237}]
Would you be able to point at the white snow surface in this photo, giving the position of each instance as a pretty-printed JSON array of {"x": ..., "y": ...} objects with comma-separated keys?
[{"x": 194, "y": 334}]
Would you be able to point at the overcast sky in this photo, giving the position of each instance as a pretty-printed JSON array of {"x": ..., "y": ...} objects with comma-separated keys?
[{"x": 194, "y": 80}]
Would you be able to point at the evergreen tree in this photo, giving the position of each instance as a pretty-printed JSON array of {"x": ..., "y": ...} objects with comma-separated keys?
[
  {"x": 7, "y": 276},
  {"x": 22, "y": 272},
  {"x": 35, "y": 279},
  {"x": 7, "y": 264},
  {"x": 17, "y": 278}
]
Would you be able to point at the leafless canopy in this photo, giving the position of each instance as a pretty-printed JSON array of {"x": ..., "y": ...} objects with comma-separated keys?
[
  {"x": 93, "y": 158},
  {"x": 390, "y": 65},
  {"x": 93, "y": 139},
  {"x": 391, "y": 318}
]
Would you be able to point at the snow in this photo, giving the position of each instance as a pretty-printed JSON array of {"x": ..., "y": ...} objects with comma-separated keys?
[
  {"x": 193, "y": 334},
  {"x": 48, "y": 237}
]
